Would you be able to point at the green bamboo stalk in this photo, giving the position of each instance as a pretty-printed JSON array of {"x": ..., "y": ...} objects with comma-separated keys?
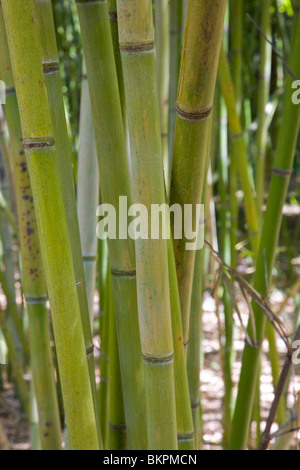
[
  {"x": 276, "y": 370},
  {"x": 7, "y": 212},
  {"x": 239, "y": 150},
  {"x": 45, "y": 23},
  {"x": 262, "y": 100},
  {"x": 236, "y": 48},
  {"x": 104, "y": 363},
  {"x": 176, "y": 40},
  {"x": 16, "y": 364},
  {"x": 35, "y": 440},
  {"x": 8, "y": 281},
  {"x": 113, "y": 16},
  {"x": 194, "y": 356},
  {"x": 87, "y": 193},
  {"x": 37, "y": 134},
  {"x": 236, "y": 43},
  {"x": 265, "y": 261},
  {"x": 115, "y": 182},
  {"x": 202, "y": 43},
  {"x": 162, "y": 60},
  {"x": 186, "y": 436},
  {"x": 117, "y": 422},
  {"x": 137, "y": 52},
  {"x": 225, "y": 250},
  {"x": 34, "y": 283}
]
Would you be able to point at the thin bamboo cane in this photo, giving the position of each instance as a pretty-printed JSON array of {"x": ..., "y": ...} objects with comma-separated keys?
[
  {"x": 113, "y": 16},
  {"x": 202, "y": 43},
  {"x": 265, "y": 261},
  {"x": 113, "y": 167},
  {"x": 225, "y": 250},
  {"x": 117, "y": 422},
  {"x": 162, "y": 59},
  {"x": 104, "y": 362},
  {"x": 87, "y": 193},
  {"x": 186, "y": 436},
  {"x": 45, "y": 23},
  {"x": 176, "y": 40},
  {"x": 34, "y": 283},
  {"x": 7, "y": 235},
  {"x": 37, "y": 133},
  {"x": 16, "y": 364},
  {"x": 262, "y": 100},
  {"x": 137, "y": 52},
  {"x": 239, "y": 150},
  {"x": 236, "y": 43},
  {"x": 35, "y": 440},
  {"x": 193, "y": 355}
]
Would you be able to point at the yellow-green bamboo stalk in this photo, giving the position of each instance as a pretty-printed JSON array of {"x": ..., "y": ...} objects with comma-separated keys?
[
  {"x": 16, "y": 365},
  {"x": 203, "y": 36},
  {"x": 262, "y": 100},
  {"x": 137, "y": 52},
  {"x": 33, "y": 277},
  {"x": 194, "y": 356},
  {"x": 239, "y": 150},
  {"x": 104, "y": 362},
  {"x": 117, "y": 424},
  {"x": 39, "y": 143},
  {"x": 115, "y": 182},
  {"x": 185, "y": 430},
  {"x": 47, "y": 40},
  {"x": 162, "y": 55},
  {"x": 113, "y": 17},
  {"x": 177, "y": 14},
  {"x": 87, "y": 193},
  {"x": 236, "y": 47},
  {"x": 7, "y": 235}
]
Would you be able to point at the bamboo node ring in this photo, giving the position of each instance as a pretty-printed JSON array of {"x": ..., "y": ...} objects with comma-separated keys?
[{"x": 194, "y": 116}]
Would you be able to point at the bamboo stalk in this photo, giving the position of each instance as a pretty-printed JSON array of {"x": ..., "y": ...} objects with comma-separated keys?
[
  {"x": 113, "y": 167},
  {"x": 16, "y": 364},
  {"x": 34, "y": 283},
  {"x": 162, "y": 59},
  {"x": 194, "y": 356},
  {"x": 236, "y": 43},
  {"x": 8, "y": 281},
  {"x": 51, "y": 70},
  {"x": 225, "y": 250},
  {"x": 239, "y": 150},
  {"x": 176, "y": 39},
  {"x": 137, "y": 52},
  {"x": 117, "y": 422},
  {"x": 37, "y": 134},
  {"x": 265, "y": 261},
  {"x": 202, "y": 43},
  {"x": 104, "y": 361},
  {"x": 87, "y": 193},
  {"x": 113, "y": 16},
  {"x": 262, "y": 100},
  {"x": 186, "y": 435}
]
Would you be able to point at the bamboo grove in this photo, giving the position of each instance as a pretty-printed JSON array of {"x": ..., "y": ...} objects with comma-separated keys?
[{"x": 169, "y": 103}]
